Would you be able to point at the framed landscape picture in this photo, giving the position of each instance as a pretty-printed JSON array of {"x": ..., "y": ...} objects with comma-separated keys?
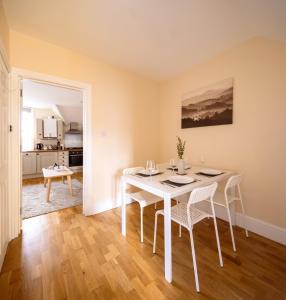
[{"x": 209, "y": 106}]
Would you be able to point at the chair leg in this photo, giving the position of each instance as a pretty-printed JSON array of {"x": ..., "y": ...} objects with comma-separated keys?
[
  {"x": 141, "y": 221},
  {"x": 194, "y": 260},
  {"x": 216, "y": 234},
  {"x": 218, "y": 242},
  {"x": 231, "y": 229},
  {"x": 243, "y": 212},
  {"x": 155, "y": 233},
  {"x": 242, "y": 208}
]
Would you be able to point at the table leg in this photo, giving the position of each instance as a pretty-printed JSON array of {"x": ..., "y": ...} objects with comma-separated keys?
[
  {"x": 45, "y": 182},
  {"x": 63, "y": 179},
  {"x": 49, "y": 189},
  {"x": 168, "y": 238},
  {"x": 70, "y": 184},
  {"x": 123, "y": 207}
]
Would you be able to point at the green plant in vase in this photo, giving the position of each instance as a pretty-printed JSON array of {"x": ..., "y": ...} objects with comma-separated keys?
[{"x": 181, "y": 145}]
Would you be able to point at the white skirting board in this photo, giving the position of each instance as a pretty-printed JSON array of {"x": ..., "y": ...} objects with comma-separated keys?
[{"x": 270, "y": 231}]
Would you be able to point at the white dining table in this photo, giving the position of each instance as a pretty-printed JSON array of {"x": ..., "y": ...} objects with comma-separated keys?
[{"x": 152, "y": 185}]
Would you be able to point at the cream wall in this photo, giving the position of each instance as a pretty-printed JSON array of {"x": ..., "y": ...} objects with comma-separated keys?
[
  {"x": 255, "y": 144},
  {"x": 127, "y": 131},
  {"x": 4, "y": 30},
  {"x": 124, "y": 109}
]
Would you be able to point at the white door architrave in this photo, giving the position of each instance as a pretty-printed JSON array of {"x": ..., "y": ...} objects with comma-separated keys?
[{"x": 15, "y": 166}]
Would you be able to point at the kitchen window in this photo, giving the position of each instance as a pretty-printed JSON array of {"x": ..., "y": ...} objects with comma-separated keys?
[{"x": 27, "y": 129}]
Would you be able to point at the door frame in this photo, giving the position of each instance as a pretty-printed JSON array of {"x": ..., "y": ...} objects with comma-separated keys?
[
  {"x": 15, "y": 161},
  {"x": 4, "y": 215}
]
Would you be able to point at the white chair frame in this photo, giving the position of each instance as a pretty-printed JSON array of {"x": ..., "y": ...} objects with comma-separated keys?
[
  {"x": 232, "y": 184},
  {"x": 194, "y": 216},
  {"x": 142, "y": 197}
]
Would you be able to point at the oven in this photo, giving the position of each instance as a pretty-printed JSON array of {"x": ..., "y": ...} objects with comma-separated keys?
[{"x": 75, "y": 158}]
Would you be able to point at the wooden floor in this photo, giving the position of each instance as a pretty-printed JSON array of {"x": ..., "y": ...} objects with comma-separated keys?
[{"x": 64, "y": 255}]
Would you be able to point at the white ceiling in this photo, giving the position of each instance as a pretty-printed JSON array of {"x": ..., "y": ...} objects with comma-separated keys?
[
  {"x": 39, "y": 95},
  {"x": 157, "y": 38}
]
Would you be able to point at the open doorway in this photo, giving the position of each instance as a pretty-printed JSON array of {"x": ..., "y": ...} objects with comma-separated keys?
[{"x": 51, "y": 147}]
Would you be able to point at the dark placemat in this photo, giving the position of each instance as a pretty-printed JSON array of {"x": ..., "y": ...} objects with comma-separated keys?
[
  {"x": 208, "y": 175},
  {"x": 147, "y": 175},
  {"x": 177, "y": 184}
]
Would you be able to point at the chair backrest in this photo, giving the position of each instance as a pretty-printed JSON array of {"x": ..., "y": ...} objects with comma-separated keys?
[
  {"x": 130, "y": 171},
  {"x": 233, "y": 181},
  {"x": 202, "y": 193},
  {"x": 198, "y": 195}
]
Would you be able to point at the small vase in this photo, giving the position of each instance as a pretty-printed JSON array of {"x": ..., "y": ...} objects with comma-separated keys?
[{"x": 181, "y": 166}]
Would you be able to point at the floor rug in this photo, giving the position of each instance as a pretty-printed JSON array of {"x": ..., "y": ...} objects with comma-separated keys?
[{"x": 34, "y": 198}]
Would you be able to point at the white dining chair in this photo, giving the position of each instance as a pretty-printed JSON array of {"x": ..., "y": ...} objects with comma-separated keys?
[
  {"x": 230, "y": 194},
  {"x": 187, "y": 215},
  {"x": 142, "y": 197}
]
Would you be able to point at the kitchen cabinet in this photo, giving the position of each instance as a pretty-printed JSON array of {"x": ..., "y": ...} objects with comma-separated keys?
[
  {"x": 29, "y": 163},
  {"x": 46, "y": 159},
  {"x": 50, "y": 128},
  {"x": 63, "y": 158},
  {"x": 60, "y": 130},
  {"x": 39, "y": 129},
  {"x": 34, "y": 162}
]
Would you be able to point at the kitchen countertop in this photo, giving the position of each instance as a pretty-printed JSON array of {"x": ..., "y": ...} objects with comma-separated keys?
[{"x": 48, "y": 150}]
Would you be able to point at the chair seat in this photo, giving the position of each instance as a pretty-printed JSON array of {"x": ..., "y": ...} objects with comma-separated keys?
[
  {"x": 144, "y": 198},
  {"x": 179, "y": 214}
]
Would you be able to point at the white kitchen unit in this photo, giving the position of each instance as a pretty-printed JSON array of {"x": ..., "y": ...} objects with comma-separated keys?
[
  {"x": 29, "y": 163},
  {"x": 63, "y": 158},
  {"x": 60, "y": 130},
  {"x": 39, "y": 129},
  {"x": 46, "y": 130},
  {"x": 46, "y": 159},
  {"x": 50, "y": 128}
]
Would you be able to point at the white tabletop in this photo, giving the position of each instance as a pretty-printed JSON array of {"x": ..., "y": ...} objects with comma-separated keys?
[
  {"x": 62, "y": 171},
  {"x": 152, "y": 184}
]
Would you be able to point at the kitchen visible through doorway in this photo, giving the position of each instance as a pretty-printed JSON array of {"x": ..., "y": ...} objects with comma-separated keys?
[{"x": 51, "y": 138}]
